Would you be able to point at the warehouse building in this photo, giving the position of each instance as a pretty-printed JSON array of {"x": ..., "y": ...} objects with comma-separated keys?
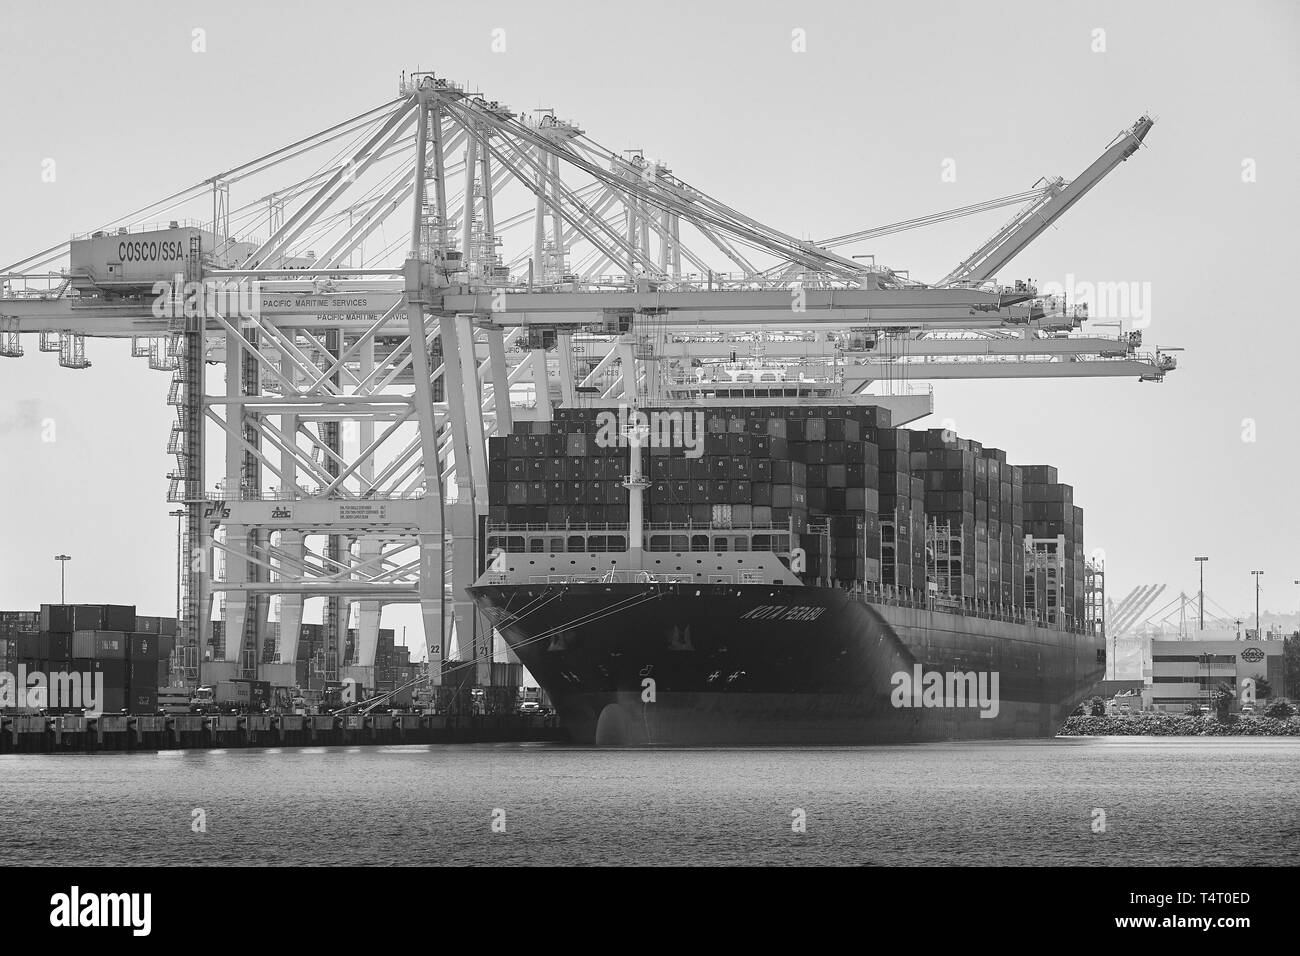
[{"x": 1188, "y": 671}]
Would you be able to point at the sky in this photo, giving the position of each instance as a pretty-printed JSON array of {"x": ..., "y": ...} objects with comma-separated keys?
[{"x": 855, "y": 130}]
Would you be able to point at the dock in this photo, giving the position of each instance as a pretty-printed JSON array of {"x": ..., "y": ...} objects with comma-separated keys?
[{"x": 120, "y": 732}]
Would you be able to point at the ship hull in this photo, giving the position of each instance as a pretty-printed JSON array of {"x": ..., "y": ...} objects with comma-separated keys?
[{"x": 770, "y": 665}]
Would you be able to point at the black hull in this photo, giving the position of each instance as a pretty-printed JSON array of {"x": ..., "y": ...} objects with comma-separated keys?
[{"x": 779, "y": 665}]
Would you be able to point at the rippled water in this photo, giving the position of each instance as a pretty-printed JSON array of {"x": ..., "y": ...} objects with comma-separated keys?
[{"x": 1180, "y": 802}]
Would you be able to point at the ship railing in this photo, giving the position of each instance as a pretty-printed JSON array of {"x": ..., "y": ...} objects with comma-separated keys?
[
  {"x": 893, "y": 595},
  {"x": 597, "y": 577},
  {"x": 700, "y": 527},
  {"x": 298, "y": 494},
  {"x": 503, "y": 528},
  {"x": 612, "y": 577}
]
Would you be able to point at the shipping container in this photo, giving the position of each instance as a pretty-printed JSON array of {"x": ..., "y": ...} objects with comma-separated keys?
[
  {"x": 110, "y": 645},
  {"x": 115, "y": 672},
  {"x": 57, "y": 618},
  {"x": 56, "y": 647},
  {"x": 233, "y": 693},
  {"x": 114, "y": 700},
  {"x": 118, "y": 617},
  {"x": 143, "y": 674},
  {"x": 143, "y": 647},
  {"x": 83, "y": 643}
]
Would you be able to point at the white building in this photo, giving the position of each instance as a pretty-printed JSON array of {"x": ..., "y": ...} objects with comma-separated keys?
[{"x": 1188, "y": 671}]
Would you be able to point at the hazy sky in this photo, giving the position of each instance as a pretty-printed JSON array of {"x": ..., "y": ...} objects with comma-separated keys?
[{"x": 852, "y": 133}]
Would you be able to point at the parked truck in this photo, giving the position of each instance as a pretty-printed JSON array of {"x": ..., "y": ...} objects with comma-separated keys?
[{"x": 244, "y": 696}]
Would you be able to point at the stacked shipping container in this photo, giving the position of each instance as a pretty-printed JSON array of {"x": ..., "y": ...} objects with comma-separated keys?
[
  {"x": 131, "y": 654},
  {"x": 1055, "y": 526},
  {"x": 753, "y": 467},
  {"x": 870, "y": 503},
  {"x": 393, "y": 667},
  {"x": 902, "y": 511}
]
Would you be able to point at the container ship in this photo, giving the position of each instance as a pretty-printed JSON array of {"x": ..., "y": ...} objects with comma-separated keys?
[{"x": 785, "y": 574}]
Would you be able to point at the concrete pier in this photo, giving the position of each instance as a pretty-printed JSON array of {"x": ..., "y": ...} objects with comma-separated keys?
[{"x": 25, "y": 733}]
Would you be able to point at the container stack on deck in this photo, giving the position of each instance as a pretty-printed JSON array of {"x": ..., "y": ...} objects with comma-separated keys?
[
  {"x": 1053, "y": 520},
  {"x": 759, "y": 466},
  {"x": 555, "y": 474},
  {"x": 132, "y": 653},
  {"x": 902, "y": 510},
  {"x": 869, "y": 503}
]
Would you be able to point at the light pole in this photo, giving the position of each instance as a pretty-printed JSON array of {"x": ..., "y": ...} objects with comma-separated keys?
[
  {"x": 1201, "y": 562},
  {"x": 1297, "y": 620},
  {"x": 1257, "y": 574},
  {"x": 179, "y": 515},
  {"x": 63, "y": 560}
]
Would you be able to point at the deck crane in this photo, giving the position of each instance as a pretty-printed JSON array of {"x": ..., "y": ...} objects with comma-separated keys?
[{"x": 429, "y": 342}]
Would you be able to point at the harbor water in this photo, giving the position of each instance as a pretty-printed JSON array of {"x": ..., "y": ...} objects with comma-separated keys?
[{"x": 1131, "y": 801}]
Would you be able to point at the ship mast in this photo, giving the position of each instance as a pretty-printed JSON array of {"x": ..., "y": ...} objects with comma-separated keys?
[{"x": 635, "y": 482}]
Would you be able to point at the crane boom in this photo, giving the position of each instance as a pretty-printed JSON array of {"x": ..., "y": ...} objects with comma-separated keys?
[{"x": 1042, "y": 211}]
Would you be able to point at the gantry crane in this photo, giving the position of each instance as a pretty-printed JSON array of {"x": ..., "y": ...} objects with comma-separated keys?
[{"x": 365, "y": 365}]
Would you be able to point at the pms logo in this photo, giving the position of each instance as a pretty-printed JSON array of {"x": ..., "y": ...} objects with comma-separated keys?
[
  {"x": 1252, "y": 655},
  {"x": 217, "y": 510},
  {"x": 281, "y": 512}
]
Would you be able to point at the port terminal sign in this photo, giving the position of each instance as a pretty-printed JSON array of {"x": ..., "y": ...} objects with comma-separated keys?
[
  {"x": 363, "y": 511},
  {"x": 346, "y": 306}
]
